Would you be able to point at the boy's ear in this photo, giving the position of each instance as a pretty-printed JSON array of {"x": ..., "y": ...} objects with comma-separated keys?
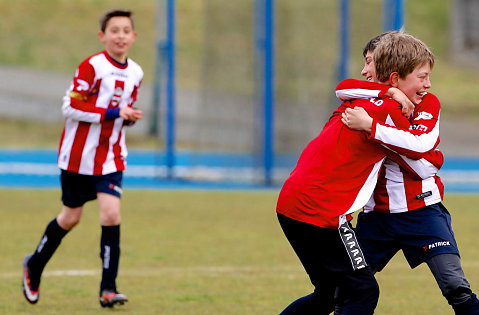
[
  {"x": 101, "y": 35},
  {"x": 394, "y": 79}
]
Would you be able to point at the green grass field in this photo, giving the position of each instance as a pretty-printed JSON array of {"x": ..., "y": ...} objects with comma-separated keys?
[{"x": 195, "y": 253}]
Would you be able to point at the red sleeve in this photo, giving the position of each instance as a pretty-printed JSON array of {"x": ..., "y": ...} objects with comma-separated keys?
[
  {"x": 435, "y": 157},
  {"x": 426, "y": 115},
  {"x": 85, "y": 90},
  {"x": 421, "y": 137}
]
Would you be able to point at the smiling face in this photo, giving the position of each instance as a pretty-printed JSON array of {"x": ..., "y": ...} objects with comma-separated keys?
[
  {"x": 369, "y": 69},
  {"x": 415, "y": 84},
  {"x": 118, "y": 37}
]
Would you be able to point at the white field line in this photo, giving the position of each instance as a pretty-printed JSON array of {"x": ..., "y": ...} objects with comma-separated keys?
[
  {"x": 191, "y": 270},
  {"x": 232, "y": 271}
]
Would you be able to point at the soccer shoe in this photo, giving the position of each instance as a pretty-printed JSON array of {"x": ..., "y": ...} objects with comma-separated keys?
[
  {"x": 108, "y": 298},
  {"x": 31, "y": 294}
]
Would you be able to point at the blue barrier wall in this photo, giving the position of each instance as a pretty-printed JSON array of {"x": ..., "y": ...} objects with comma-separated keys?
[{"x": 25, "y": 168}]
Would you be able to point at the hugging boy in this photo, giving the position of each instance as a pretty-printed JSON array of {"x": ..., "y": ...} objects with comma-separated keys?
[{"x": 334, "y": 177}]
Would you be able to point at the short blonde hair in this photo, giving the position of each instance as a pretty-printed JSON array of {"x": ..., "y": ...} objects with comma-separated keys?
[{"x": 402, "y": 53}]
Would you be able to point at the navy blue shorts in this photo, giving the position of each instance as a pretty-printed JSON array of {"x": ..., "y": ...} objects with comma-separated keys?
[
  {"x": 77, "y": 189},
  {"x": 420, "y": 234}
]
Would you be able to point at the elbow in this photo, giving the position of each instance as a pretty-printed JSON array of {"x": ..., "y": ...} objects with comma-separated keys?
[
  {"x": 339, "y": 96},
  {"x": 66, "y": 110}
]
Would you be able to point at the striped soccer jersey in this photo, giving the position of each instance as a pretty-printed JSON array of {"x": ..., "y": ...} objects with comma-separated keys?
[
  {"x": 404, "y": 184},
  {"x": 93, "y": 142},
  {"x": 337, "y": 171}
]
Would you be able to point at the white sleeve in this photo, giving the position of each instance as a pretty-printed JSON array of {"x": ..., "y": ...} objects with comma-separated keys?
[
  {"x": 403, "y": 139},
  {"x": 69, "y": 112},
  {"x": 423, "y": 168},
  {"x": 349, "y": 94}
]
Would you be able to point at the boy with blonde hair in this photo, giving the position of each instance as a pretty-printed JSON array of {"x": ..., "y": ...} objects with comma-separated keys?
[
  {"x": 408, "y": 205},
  {"x": 334, "y": 177}
]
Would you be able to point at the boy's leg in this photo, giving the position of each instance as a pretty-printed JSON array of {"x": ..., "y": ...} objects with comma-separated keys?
[
  {"x": 304, "y": 240},
  {"x": 109, "y": 192},
  {"x": 51, "y": 239},
  {"x": 324, "y": 257},
  {"x": 360, "y": 288},
  {"x": 34, "y": 264},
  {"x": 110, "y": 239},
  {"x": 377, "y": 242},
  {"x": 450, "y": 277},
  {"x": 361, "y": 292}
]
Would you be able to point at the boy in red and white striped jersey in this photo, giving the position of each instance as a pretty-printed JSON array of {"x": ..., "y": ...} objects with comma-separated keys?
[
  {"x": 92, "y": 154},
  {"x": 335, "y": 176},
  {"x": 405, "y": 212}
]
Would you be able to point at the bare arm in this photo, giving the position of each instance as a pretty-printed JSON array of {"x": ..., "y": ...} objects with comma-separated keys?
[
  {"x": 406, "y": 105},
  {"x": 130, "y": 113},
  {"x": 358, "y": 119}
]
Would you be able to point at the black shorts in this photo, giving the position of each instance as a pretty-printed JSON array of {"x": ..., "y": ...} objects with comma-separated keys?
[
  {"x": 77, "y": 189},
  {"x": 325, "y": 255}
]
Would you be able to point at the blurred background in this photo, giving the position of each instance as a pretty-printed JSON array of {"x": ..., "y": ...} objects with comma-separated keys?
[{"x": 214, "y": 129}]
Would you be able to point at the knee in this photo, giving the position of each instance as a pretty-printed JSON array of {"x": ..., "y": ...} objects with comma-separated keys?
[
  {"x": 458, "y": 295},
  {"x": 455, "y": 289},
  {"x": 467, "y": 307},
  {"x": 367, "y": 295},
  {"x": 67, "y": 220},
  {"x": 110, "y": 217},
  {"x": 374, "y": 292}
]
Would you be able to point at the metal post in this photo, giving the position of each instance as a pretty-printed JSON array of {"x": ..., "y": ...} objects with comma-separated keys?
[
  {"x": 393, "y": 15},
  {"x": 264, "y": 54},
  {"x": 269, "y": 92},
  {"x": 343, "y": 71},
  {"x": 170, "y": 89}
]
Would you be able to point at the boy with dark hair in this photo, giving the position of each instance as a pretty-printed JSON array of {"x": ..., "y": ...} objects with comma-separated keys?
[
  {"x": 410, "y": 207},
  {"x": 334, "y": 177},
  {"x": 92, "y": 153}
]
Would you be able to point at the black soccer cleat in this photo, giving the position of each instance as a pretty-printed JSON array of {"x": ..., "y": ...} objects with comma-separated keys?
[
  {"x": 108, "y": 298},
  {"x": 31, "y": 294}
]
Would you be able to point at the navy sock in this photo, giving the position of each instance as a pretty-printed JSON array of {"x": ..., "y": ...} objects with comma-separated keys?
[
  {"x": 110, "y": 256},
  {"x": 50, "y": 241}
]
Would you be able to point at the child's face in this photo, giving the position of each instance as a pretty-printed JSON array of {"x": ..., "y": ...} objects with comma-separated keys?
[
  {"x": 416, "y": 83},
  {"x": 369, "y": 70},
  {"x": 118, "y": 37}
]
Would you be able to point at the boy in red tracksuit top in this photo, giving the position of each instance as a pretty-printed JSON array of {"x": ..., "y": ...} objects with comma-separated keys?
[
  {"x": 335, "y": 176},
  {"x": 406, "y": 211}
]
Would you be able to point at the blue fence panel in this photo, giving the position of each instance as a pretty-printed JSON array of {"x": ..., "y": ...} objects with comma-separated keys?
[{"x": 29, "y": 168}]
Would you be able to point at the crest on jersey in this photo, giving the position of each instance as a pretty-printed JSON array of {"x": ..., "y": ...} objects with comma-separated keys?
[
  {"x": 82, "y": 85},
  {"x": 424, "y": 115},
  {"x": 116, "y": 98}
]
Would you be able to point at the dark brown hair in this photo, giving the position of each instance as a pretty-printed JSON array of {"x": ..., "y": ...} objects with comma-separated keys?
[
  {"x": 373, "y": 42},
  {"x": 113, "y": 13}
]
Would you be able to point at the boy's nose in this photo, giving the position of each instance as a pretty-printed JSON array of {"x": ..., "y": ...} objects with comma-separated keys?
[
  {"x": 427, "y": 84},
  {"x": 364, "y": 72}
]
